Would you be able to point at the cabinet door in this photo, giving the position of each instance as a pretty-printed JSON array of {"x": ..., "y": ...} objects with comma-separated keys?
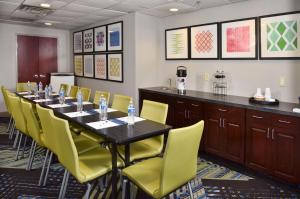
[
  {"x": 285, "y": 153},
  {"x": 180, "y": 115},
  {"x": 234, "y": 133},
  {"x": 212, "y": 130},
  {"x": 194, "y": 112},
  {"x": 258, "y": 144}
]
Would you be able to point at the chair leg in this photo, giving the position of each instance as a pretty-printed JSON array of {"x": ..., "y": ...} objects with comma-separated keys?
[
  {"x": 43, "y": 169},
  {"x": 64, "y": 185},
  {"x": 124, "y": 188},
  {"x": 190, "y": 190},
  {"x": 16, "y": 138},
  {"x": 8, "y": 127},
  {"x": 33, "y": 154},
  {"x": 24, "y": 146},
  {"x": 12, "y": 130},
  {"x": 48, "y": 167},
  {"x": 30, "y": 154},
  {"x": 88, "y": 191},
  {"x": 19, "y": 146}
]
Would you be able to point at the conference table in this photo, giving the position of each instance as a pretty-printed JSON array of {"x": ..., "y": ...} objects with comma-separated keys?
[{"x": 119, "y": 133}]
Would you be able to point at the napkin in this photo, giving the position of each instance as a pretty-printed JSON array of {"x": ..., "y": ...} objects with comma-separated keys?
[
  {"x": 125, "y": 119},
  {"x": 109, "y": 110},
  {"x": 58, "y": 105},
  {"x": 102, "y": 124},
  {"x": 77, "y": 114},
  {"x": 29, "y": 96},
  {"x": 43, "y": 100},
  {"x": 84, "y": 103}
]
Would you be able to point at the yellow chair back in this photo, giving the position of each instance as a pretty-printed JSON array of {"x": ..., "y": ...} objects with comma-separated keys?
[
  {"x": 180, "y": 158},
  {"x": 73, "y": 91},
  {"x": 3, "y": 90},
  {"x": 98, "y": 95},
  {"x": 154, "y": 111},
  {"x": 22, "y": 86},
  {"x": 121, "y": 102},
  {"x": 86, "y": 93},
  {"x": 47, "y": 127},
  {"x": 17, "y": 113},
  {"x": 65, "y": 86},
  {"x": 33, "y": 125}
]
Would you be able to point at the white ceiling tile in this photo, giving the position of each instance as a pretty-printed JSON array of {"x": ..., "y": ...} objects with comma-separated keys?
[
  {"x": 94, "y": 17},
  {"x": 126, "y": 7},
  {"x": 12, "y": 1},
  {"x": 54, "y": 4},
  {"x": 80, "y": 8},
  {"x": 64, "y": 13},
  {"x": 25, "y": 15},
  {"x": 7, "y": 8},
  {"x": 109, "y": 13},
  {"x": 97, "y": 3},
  {"x": 146, "y": 3}
]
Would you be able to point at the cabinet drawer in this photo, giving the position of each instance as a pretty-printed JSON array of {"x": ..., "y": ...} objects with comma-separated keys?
[
  {"x": 258, "y": 117},
  {"x": 285, "y": 121}
]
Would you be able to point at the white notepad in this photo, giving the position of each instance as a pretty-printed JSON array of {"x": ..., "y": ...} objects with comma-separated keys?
[
  {"x": 29, "y": 96},
  {"x": 77, "y": 114},
  {"x": 84, "y": 103},
  {"x": 125, "y": 119},
  {"x": 109, "y": 110},
  {"x": 58, "y": 105},
  {"x": 69, "y": 97},
  {"x": 23, "y": 93},
  {"x": 102, "y": 124},
  {"x": 43, "y": 100}
]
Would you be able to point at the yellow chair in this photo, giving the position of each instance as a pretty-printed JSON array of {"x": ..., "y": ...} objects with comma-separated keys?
[
  {"x": 10, "y": 124},
  {"x": 34, "y": 130},
  {"x": 121, "y": 102},
  {"x": 84, "y": 167},
  {"x": 73, "y": 91},
  {"x": 158, "y": 177},
  {"x": 86, "y": 93},
  {"x": 20, "y": 123},
  {"x": 65, "y": 86},
  {"x": 11, "y": 128},
  {"x": 23, "y": 87},
  {"x": 98, "y": 94},
  {"x": 82, "y": 143},
  {"x": 151, "y": 147}
]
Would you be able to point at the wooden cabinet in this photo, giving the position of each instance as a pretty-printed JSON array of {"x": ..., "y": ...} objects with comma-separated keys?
[
  {"x": 225, "y": 131},
  {"x": 273, "y": 145}
]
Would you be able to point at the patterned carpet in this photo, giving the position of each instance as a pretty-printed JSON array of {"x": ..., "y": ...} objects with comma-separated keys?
[{"x": 16, "y": 182}]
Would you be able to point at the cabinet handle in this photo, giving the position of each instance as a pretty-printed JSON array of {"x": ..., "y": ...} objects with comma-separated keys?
[
  {"x": 195, "y": 105},
  {"x": 188, "y": 114},
  {"x": 220, "y": 122},
  {"x": 268, "y": 134},
  {"x": 223, "y": 123},
  {"x": 272, "y": 134},
  {"x": 185, "y": 114},
  {"x": 180, "y": 102},
  {"x": 257, "y": 117},
  {"x": 283, "y": 121},
  {"x": 222, "y": 110}
]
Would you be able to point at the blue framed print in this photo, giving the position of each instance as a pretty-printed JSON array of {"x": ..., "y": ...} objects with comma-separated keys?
[{"x": 115, "y": 36}]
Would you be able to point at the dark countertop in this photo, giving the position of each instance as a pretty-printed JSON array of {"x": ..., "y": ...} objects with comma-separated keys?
[{"x": 236, "y": 101}]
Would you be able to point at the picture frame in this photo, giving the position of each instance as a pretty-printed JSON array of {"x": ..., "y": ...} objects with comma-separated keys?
[
  {"x": 100, "y": 64},
  {"x": 204, "y": 41},
  {"x": 77, "y": 42},
  {"x": 88, "y": 40},
  {"x": 177, "y": 43},
  {"x": 279, "y": 36},
  {"x": 78, "y": 65},
  {"x": 239, "y": 39},
  {"x": 115, "y": 67},
  {"x": 100, "y": 38},
  {"x": 115, "y": 36},
  {"x": 88, "y": 65}
]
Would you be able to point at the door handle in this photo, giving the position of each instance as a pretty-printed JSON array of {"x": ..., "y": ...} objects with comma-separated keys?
[
  {"x": 195, "y": 105},
  {"x": 257, "y": 117},
  {"x": 220, "y": 121},
  {"x": 185, "y": 114},
  {"x": 42, "y": 76},
  {"x": 283, "y": 121},
  {"x": 223, "y": 123},
  {"x": 35, "y": 75},
  {"x": 188, "y": 114},
  {"x": 222, "y": 110},
  {"x": 268, "y": 134},
  {"x": 272, "y": 134}
]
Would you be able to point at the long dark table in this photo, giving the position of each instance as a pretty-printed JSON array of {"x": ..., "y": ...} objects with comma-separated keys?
[{"x": 119, "y": 135}]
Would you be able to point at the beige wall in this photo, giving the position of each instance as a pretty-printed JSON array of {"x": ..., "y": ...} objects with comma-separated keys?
[
  {"x": 8, "y": 51},
  {"x": 244, "y": 76}
]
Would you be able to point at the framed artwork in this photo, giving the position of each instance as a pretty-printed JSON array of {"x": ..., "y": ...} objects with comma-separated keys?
[
  {"x": 77, "y": 42},
  {"x": 88, "y": 40},
  {"x": 176, "y": 44},
  {"x": 88, "y": 61},
  {"x": 115, "y": 36},
  {"x": 279, "y": 36},
  {"x": 239, "y": 39},
  {"x": 101, "y": 66},
  {"x": 115, "y": 67},
  {"x": 100, "y": 38},
  {"x": 204, "y": 41},
  {"x": 78, "y": 65}
]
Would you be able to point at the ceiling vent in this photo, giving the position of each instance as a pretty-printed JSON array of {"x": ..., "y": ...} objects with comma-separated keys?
[{"x": 35, "y": 10}]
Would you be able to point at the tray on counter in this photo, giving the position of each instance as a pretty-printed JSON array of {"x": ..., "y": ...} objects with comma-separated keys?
[{"x": 263, "y": 102}]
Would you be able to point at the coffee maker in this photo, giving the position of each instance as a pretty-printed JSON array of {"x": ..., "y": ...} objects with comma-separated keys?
[{"x": 181, "y": 79}]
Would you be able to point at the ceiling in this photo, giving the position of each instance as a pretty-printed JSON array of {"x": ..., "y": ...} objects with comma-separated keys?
[{"x": 71, "y": 14}]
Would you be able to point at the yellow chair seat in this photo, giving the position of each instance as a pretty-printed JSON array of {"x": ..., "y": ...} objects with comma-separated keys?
[
  {"x": 146, "y": 175},
  {"x": 94, "y": 163},
  {"x": 76, "y": 128},
  {"x": 142, "y": 149},
  {"x": 84, "y": 144},
  {"x": 92, "y": 136}
]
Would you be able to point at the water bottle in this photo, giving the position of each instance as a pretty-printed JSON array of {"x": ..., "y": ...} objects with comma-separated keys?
[
  {"x": 103, "y": 108},
  {"x": 50, "y": 89},
  {"x": 79, "y": 101},
  {"x": 40, "y": 86},
  {"x": 46, "y": 92},
  {"x": 29, "y": 86},
  {"x": 131, "y": 113},
  {"x": 62, "y": 96}
]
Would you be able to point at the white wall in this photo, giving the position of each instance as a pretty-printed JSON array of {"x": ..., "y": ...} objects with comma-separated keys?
[
  {"x": 245, "y": 76},
  {"x": 8, "y": 49}
]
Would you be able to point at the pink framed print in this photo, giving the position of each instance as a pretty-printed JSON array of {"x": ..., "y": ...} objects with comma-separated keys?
[{"x": 101, "y": 66}]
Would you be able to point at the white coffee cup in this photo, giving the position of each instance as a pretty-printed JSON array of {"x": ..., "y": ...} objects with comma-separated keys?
[
  {"x": 268, "y": 95},
  {"x": 258, "y": 92}
]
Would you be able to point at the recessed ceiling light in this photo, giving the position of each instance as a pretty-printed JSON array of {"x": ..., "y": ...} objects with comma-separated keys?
[
  {"x": 48, "y": 24},
  {"x": 45, "y": 5},
  {"x": 173, "y": 9}
]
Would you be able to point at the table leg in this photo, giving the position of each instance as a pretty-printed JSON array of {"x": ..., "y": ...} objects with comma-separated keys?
[
  {"x": 127, "y": 163},
  {"x": 114, "y": 180}
]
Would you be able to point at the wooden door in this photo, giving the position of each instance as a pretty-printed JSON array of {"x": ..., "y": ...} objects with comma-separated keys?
[
  {"x": 180, "y": 116},
  {"x": 194, "y": 112},
  {"x": 234, "y": 134},
  {"x": 37, "y": 58}
]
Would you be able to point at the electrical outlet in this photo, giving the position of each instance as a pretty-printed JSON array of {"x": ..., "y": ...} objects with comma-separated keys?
[
  {"x": 282, "y": 81},
  {"x": 206, "y": 76}
]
